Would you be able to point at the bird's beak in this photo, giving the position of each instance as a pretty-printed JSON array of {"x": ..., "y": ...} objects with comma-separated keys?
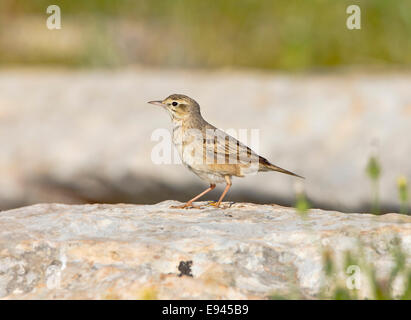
[{"x": 158, "y": 103}]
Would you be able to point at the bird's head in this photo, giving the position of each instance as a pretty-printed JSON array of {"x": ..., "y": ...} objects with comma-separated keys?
[{"x": 179, "y": 106}]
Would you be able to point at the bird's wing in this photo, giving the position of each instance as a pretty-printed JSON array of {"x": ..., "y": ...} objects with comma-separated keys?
[{"x": 224, "y": 149}]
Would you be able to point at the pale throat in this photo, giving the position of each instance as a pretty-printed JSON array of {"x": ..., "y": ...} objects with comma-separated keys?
[{"x": 176, "y": 117}]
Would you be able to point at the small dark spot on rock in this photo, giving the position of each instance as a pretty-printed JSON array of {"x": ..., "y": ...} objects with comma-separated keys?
[
  {"x": 185, "y": 268},
  {"x": 56, "y": 263}
]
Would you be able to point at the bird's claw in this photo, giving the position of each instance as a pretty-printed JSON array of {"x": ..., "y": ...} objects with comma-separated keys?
[
  {"x": 186, "y": 206},
  {"x": 213, "y": 203},
  {"x": 220, "y": 205}
]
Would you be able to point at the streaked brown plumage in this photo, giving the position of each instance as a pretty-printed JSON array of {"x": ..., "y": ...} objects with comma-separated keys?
[{"x": 207, "y": 151}]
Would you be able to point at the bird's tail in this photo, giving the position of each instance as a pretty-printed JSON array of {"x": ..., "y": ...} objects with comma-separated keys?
[{"x": 264, "y": 165}]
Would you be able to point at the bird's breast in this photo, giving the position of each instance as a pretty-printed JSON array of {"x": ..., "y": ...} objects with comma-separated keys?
[
  {"x": 189, "y": 144},
  {"x": 177, "y": 134}
]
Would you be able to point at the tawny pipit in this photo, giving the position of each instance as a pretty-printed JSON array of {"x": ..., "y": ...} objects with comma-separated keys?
[{"x": 207, "y": 151}]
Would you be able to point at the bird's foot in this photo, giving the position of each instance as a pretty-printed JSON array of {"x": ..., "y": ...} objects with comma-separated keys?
[
  {"x": 220, "y": 205},
  {"x": 186, "y": 206},
  {"x": 214, "y": 204}
]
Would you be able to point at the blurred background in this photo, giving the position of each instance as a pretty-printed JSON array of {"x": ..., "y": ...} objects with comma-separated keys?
[{"x": 331, "y": 104}]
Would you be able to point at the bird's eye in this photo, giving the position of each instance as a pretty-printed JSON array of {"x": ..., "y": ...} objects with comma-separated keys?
[{"x": 174, "y": 103}]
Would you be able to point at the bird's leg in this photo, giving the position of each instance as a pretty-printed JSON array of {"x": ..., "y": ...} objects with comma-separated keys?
[
  {"x": 228, "y": 180},
  {"x": 189, "y": 203}
]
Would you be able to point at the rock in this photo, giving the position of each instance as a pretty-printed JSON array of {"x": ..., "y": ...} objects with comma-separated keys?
[
  {"x": 244, "y": 251},
  {"x": 86, "y": 136}
]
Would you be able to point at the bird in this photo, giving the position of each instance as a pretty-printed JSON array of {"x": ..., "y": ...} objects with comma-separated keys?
[{"x": 209, "y": 152}]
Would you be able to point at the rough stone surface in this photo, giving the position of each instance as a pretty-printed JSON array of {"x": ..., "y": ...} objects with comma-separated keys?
[
  {"x": 243, "y": 251},
  {"x": 86, "y": 136}
]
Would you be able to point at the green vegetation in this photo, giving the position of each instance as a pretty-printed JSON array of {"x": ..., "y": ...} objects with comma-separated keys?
[
  {"x": 374, "y": 172},
  {"x": 355, "y": 275},
  {"x": 286, "y": 34},
  {"x": 302, "y": 205},
  {"x": 403, "y": 194},
  {"x": 381, "y": 288}
]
